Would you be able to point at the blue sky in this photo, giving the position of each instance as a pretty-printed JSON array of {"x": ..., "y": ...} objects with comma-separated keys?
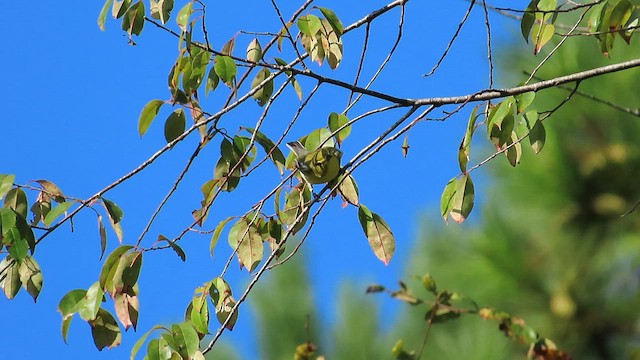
[{"x": 73, "y": 95}]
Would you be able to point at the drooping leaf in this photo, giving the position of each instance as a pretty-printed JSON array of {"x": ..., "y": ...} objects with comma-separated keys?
[
  {"x": 250, "y": 247},
  {"x": 264, "y": 92},
  {"x": 102, "y": 18},
  {"x": 31, "y": 276},
  {"x": 463, "y": 199},
  {"x": 378, "y": 233},
  {"x": 212, "y": 81},
  {"x": 161, "y": 10},
  {"x": 11, "y": 281},
  {"x": 186, "y": 339},
  {"x": 175, "y": 125},
  {"x": 6, "y": 182},
  {"x": 17, "y": 201},
  {"x": 174, "y": 246},
  {"x": 226, "y": 69},
  {"x": 349, "y": 191},
  {"x": 537, "y": 136},
  {"x": 148, "y": 114},
  {"x": 528, "y": 18},
  {"x": 133, "y": 20},
  {"x": 274, "y": 152},
  {"x": 337, "y": 121},
  {"x": 113, "y": 210},
  {"x": 103, "y": 236},
  {"x": 254, "y": 51},
  {"x": 331, "y": 17},
  {"x": 127, "y": 309},
  {"x": 112, "y": 262},
  {"x": 105, "y": 330},
  {"x": 540, "y": 35},
  {"x": 90, "y": 304}
]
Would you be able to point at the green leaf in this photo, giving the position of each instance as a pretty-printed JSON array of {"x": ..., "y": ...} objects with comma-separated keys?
[
  {"x": 149, "y": 112},
  {"x": 183, "y": 16},
  {"x": 337, "y": 121},
  {"x": 89, "y": 306},
  {"x": 31, "y": 277},
  {"x": 250, "y": 246},
  {"x": 540, "y": 35},
  {"x": 274, "y": 153},
  {"x": 112, "y": 262},
  {"x": 524, "y": 100},
  {"x": 212, "y": 81},
  {"x": 296, "y": 87},
  {"x": 349, "y": 191},
  {"x": 56, "y": 212},
  {"x": 465, "y": 145},
  {"x": 186, "y": 339},
  {"x": 103, "y": 14},
  {"x": 254, "y": 51},
  {"x": 6, "y": 182},
  {"x": 11, "y": 281},
  {"x": 309, "y": 25},
  {"x": 113, "y": 210},
  {"x": 514, "y": 153},
  {"x": 161, "y": 10},
  {"x": 263, "y": 94},
  {"x": 17, "y": 201},
  {"x": 528, "y": 18},
  {"x": 103, "y": 236},
  {"x": 127, "y": 309},
  {"x": 537, "y": 136},
  {"x": 174, "y": 246},
  {"x": 175, "y": 125},
  {"x": 226, "y": 69},
  {"x": 120, "y": 7},
  {"x": 136, "y": 347},
  {"x": 463, "y": 199},
  {"x": 133, "y": 20},
  {"x": 71, "y": 302},
  {"x": 333, "y": 20},
  {"x": 105, "y": 330},
  {"x": 378, "y": 233}
]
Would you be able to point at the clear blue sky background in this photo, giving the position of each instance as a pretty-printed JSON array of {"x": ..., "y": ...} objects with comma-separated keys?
[{"x": 72, "y": 96}]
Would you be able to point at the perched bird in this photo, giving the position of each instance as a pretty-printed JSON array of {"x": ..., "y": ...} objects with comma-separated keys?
[{"x": 318, "y": 166}]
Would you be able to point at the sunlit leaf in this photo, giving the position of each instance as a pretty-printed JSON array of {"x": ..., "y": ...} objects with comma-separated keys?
[
  {"x": 56, "y": 212},
  {"x": 337, "y": 121},
  {"x": 113, "y": 210},
  {"x": 309, "y": 25},
  {"x": 148, "y": 114},
  {"x": 378, "y": 233},
  {"x": 225, "y": 68},
  {"x": 17, "y": 200},
  {"x": 112, "y": 261},
  {"x": 349, "y": 190},
  {"x": 31, "y": 276},
  {"x": 161, "y": 10},
  {"x": 11, "y": 281},
  {"x": 333, "y": 20},
  {"x": 183, "y": 16},
  {"x": 254, "y": 51},
  {"x": 141, "y": 340},
  {"x": 133, "y": 20},
  {"x": 103, "y": 14},
  {"x": 186, "y": 339},
  {"x": 528, "y": 18},
  {"x": 463, "y": 199},
  {"x": 540, "y": 35}
]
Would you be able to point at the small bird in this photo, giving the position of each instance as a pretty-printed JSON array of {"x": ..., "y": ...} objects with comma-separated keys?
[{"x": 318, "y": 166}]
